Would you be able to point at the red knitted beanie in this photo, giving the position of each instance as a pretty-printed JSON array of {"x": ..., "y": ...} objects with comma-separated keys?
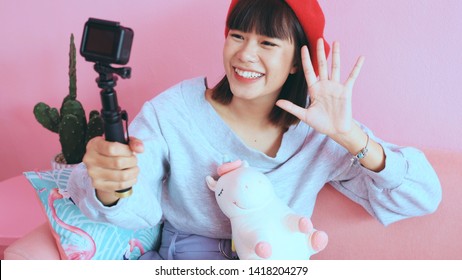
[{"x": 311, "y": 18}]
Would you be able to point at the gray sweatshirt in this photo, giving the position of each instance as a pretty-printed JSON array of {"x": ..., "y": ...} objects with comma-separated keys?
[{"x": 185, "y": 140}]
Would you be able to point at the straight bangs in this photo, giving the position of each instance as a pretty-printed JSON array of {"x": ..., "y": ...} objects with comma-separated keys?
[{"x": 270, "y": 18}]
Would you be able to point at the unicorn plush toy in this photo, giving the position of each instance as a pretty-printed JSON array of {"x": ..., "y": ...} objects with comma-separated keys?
[{"x": 263, "y": 227}]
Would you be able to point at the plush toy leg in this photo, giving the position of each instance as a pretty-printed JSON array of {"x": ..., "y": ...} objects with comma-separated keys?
[
  {"x": 319, "y": 240},
  {"x": 305, "y": 225},
  {"x": 263, "y": 250}
]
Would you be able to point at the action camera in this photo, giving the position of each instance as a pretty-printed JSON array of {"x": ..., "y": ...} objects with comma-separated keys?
[{"x": 106, "y": 42}]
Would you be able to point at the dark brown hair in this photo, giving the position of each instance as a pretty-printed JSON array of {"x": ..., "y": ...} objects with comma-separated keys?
[{"x": 275, "y": 19}]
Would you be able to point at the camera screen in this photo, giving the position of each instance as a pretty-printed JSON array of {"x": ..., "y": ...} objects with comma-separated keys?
[{"x": 101, "y": 41}]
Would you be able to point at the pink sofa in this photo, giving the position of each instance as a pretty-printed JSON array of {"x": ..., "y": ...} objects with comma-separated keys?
[{"x": 353, "y": 234}]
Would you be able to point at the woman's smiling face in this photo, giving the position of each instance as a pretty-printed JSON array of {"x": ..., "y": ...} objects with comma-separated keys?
[{"x": 257, "y": 66}]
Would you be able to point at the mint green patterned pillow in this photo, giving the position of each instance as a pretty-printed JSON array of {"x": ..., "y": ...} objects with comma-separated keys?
[{"x": 77, "y": 236}]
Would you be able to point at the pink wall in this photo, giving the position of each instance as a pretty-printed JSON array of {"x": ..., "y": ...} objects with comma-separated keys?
[{"x": 406, "y": 92}]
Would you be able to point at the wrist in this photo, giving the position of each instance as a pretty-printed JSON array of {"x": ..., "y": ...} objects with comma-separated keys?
[
  {"x": 362, "y": 154},
  {"x": 354, "y": 140},
  {"x": 106, "y": 198},
  {"x": 357, "y": 141}
]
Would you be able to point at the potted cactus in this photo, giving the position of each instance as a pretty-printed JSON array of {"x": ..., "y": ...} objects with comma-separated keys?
[{"x": 70, "y": 121}]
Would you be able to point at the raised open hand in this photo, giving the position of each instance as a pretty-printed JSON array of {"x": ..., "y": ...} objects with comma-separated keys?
[{"x": 330, "y": 110}]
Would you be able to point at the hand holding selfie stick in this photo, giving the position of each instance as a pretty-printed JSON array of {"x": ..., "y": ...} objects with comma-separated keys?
[{"x": 105, "y": 42}]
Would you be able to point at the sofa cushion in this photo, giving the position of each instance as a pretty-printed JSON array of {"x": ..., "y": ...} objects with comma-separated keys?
[
  {"x": 77, "y": 236},
  {"x": 38, "y": 244}
]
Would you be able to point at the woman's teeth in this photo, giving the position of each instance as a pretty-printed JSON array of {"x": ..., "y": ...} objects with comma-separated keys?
[{"x": 247, "y": 74}]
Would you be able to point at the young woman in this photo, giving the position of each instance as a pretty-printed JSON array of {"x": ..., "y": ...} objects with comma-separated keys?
[{"x": 277, "y": 108}]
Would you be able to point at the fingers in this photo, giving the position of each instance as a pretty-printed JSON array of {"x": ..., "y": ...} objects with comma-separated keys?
[
  {"x": 112, "y": 166},
  {"x": 336, "y": 62},
  {"x": 110, "y": 148},
  {"x": 323, "y": 65},
  {"x": 109, "y": 161},
  {"x": 114, "y": 148},
  {"x": 290, "y": 107},
  {"x": 322, "y": 61},
  {"x": 355, "y": 72},
  {"x": 112, "y": 155},
  {"x": 310, "y": 75},
  {"x": 136, "y": 145},
  {"x": 112, "y": 180}
]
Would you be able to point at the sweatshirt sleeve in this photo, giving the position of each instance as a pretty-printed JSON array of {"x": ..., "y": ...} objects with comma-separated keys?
[
  {"x": 408, "y": 186},
  {"x": 142, "y": 209}
]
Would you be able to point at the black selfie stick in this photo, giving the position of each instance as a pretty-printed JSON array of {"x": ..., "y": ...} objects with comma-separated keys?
[
  {"x": 107, "y": 42},
  {"x": 111, "y": 112}
]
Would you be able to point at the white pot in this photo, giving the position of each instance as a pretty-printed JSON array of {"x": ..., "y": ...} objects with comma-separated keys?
[{"x": 56, "y": 162}]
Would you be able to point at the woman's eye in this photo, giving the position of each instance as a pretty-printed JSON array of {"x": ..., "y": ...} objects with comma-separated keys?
[
  {"x": 269, "y": 44},
  {"x": 237, "y": 36}
]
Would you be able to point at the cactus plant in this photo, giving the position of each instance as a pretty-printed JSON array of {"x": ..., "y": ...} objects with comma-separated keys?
[{"x": 70, "y": 121}]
